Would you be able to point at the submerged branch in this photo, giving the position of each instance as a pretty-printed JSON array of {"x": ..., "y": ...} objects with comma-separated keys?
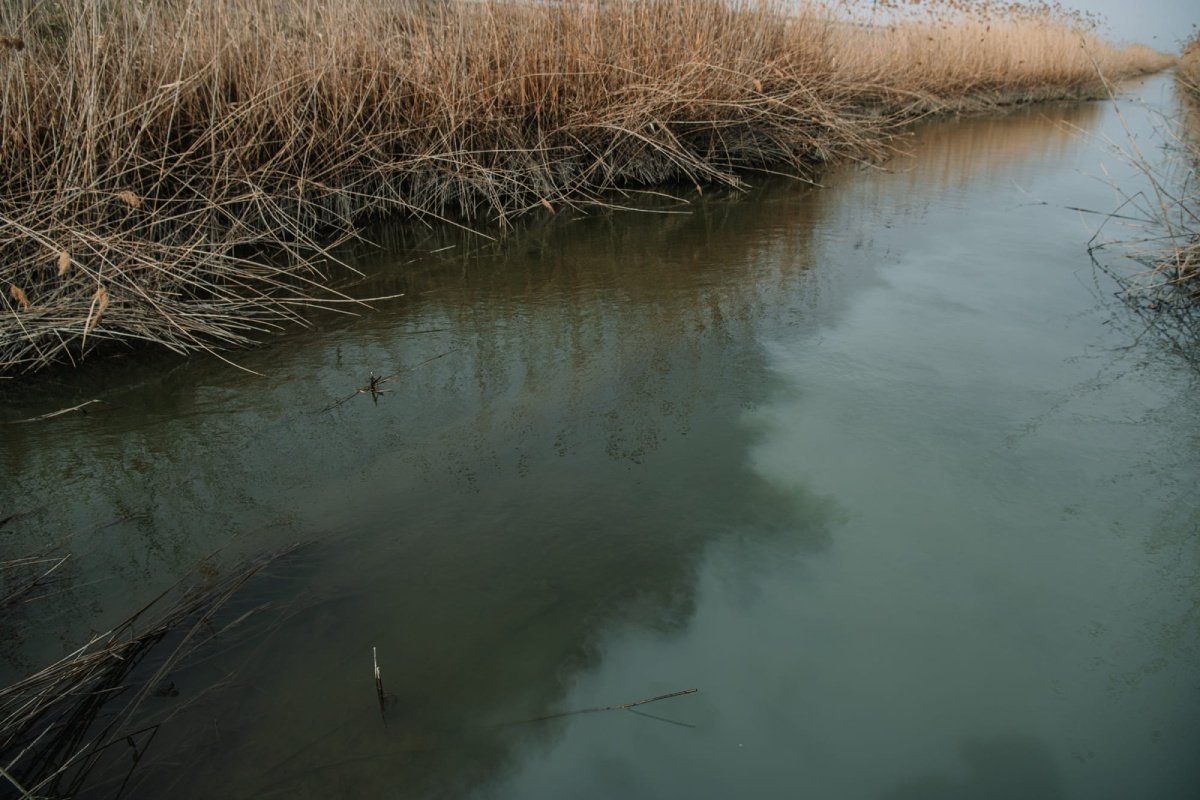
[
  {"x": 621, "y": 707},
  {"x": 374, "y": 382},
  {"x": 54, "y": 414}
]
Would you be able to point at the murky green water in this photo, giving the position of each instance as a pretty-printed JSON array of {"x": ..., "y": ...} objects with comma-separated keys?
[{"x": 874, "y": 467}]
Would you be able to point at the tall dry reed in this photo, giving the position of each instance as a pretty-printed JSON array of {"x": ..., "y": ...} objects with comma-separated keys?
[{"x": 175, "y": 171}]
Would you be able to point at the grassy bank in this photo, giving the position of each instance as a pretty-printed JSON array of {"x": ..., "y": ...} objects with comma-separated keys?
[
  {"x": 172, "y": 172},
  {"x": 1155, "y": 259},
  {"x": 1183, "y": 265}
]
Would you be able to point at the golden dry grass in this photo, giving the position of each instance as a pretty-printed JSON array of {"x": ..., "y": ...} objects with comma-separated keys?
[
  {"x": 1188, "y": 72},
  {"x": 175, "y": 172}
]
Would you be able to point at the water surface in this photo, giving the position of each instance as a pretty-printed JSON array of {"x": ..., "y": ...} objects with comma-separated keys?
[{"x": 876, "y": 467}]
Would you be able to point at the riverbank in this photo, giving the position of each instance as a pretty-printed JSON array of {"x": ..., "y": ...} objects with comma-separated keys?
[
  {"x": 1157, "y": 256},
  {"x": 1186, "y": 261},
  {"x": 1189, "y": 76},
  {"x": 176, "y": 173}
]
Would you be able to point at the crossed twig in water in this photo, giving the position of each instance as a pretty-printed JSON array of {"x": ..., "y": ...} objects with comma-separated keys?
[{"x": 376, "y": 381}]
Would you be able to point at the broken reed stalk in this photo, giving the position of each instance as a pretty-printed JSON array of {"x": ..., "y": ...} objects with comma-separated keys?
[
  {"x": 27, "y": 574},
  {"x": 179, "y": 173},
  {"x": 57, "y": 724},
  {"x": 82, "y": 407},
  {"x": 379, "y": 684}
]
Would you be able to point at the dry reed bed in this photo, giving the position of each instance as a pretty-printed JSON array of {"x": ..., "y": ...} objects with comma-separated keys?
[{"x": 175, "y": 172}]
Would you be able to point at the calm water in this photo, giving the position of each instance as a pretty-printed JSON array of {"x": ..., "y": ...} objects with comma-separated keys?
[{"x": 877, "y": 468}]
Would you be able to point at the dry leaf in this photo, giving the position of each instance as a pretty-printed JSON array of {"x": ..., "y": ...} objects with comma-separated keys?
[
  {"x": 758, "y": 87},
  {"x": 549, "y": 207},
  {"x": 99, "y": 304},
  {"x": 64, "y": 262},
  {"x": 129, "y": 198},
  {"x": 19, "y": 295}
]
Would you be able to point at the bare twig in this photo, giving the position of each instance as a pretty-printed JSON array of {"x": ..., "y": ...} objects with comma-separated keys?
[
  {"x": 623, "y": 706},
  {"x": 35, "y": 582},
  {"x": 379, "y": 686},
  {"x": 375, "y": 382}
]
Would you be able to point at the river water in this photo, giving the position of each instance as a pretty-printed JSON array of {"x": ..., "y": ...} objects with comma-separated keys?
[{"x": 880, "y": 468}]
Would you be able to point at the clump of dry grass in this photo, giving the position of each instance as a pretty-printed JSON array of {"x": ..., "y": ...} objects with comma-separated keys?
[
  {"x": 1186, "y": 252},
  {"x": 1184, "y": 258},
  {"x": 82, "y": 714},
  {"x": 175, "y": 172},
  {"x": 1157, "y": 263}
]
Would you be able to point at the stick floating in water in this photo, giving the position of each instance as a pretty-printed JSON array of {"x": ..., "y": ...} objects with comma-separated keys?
[
  {"x": 379, "y": 683},
  {"x": 621, "y": 707},
  {"x": 54, "y": 414}
]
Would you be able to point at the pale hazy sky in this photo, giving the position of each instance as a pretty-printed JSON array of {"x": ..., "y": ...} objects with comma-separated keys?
[{"x": 1141, "y": 20}]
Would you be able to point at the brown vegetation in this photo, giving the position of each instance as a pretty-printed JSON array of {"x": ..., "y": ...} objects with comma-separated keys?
[
  {"x": 1158, "y": 269},
  {"x": 1188, "y": 72},
  {"x": 76, "y": 720},
  {"x": 175, "y": 172}
]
